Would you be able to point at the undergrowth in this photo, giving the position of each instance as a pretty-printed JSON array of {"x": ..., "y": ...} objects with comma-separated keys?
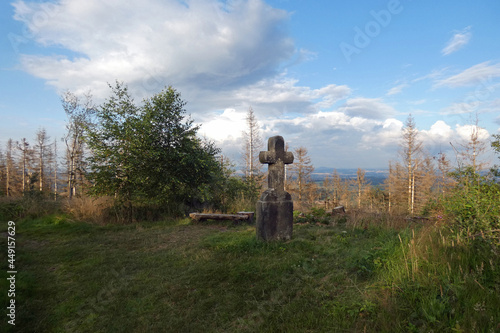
[{"x": 351, "y": 273}]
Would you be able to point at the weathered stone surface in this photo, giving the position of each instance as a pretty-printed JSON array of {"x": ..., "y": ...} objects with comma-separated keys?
[{"x": 275, "y": 207}]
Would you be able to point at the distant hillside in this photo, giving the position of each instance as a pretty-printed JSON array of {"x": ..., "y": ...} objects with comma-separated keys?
[{"x": 374, "y": 176}]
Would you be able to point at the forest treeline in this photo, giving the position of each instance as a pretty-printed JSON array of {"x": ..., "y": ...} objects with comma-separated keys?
[{"x": 148, "y": 157}]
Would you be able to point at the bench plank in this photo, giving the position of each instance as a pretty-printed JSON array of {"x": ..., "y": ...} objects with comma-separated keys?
[{"x": 233, "y": 217}]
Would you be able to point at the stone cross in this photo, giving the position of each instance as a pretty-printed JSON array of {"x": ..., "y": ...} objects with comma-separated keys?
[
  {"x": 275, "y": 206},
  {"x": 276, "y": 157}
]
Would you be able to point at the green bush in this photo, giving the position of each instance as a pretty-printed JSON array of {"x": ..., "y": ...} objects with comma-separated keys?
[
  {"x": 32, "y": 205},
  {"x": 474, "y": 204}
]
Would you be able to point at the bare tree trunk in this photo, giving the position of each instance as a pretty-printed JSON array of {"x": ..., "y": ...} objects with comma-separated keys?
[
  {"x": 253, "y": 143},
  {"x": 9, "y": 165},
  {"x": 412, "y": 151},
  {"x": 413, "y": 192},
  {"x": 23, "y": 147},
  {"x": 55, "y": 170},
  {"x": 390, "y": 189}
]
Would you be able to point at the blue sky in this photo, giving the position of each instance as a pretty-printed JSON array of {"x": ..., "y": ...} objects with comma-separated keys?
[{"x": 337, "y": 77}]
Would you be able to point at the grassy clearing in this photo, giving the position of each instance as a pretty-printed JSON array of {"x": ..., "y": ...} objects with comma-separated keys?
[{"x": 173, "y": 276}]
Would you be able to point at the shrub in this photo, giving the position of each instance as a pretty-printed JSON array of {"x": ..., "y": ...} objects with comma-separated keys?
[
  {"x": 32, "y": 205},
  {"x": 473, "y": 204}
]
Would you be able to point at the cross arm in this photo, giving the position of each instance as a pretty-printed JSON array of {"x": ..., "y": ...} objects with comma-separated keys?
[{"x": 271, "y": 157}]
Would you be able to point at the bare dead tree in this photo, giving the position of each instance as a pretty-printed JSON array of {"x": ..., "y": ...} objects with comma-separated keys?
[
  {"x": 79, "y": 112},
  {"x": 471, "y": 151},
  {"x": 252, "y": 146},
  {"x": 9, "y": 167},
  {"x": 24, "y": 148},
  {"x": 42, "y": 149},
  {"x": 301, "y": 171},
  {"x": 411, "y": 151}
]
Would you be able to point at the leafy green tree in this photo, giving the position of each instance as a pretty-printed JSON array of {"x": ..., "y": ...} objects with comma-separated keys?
[
  {"x": 232, "y": 193},
  {"x": 150, "y": 153}
]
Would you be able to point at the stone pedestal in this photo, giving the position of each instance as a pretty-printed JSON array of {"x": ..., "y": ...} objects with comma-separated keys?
[{"x": 274, "y": 216}]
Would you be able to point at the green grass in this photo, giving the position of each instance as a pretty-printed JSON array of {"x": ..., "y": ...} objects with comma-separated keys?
[{"x": 173, "y": 276}]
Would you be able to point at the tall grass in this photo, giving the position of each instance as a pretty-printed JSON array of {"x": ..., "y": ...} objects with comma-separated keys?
[
  {"x": 89, "y": 209},
  {"x": 442, "y": 282},
  {"x": 428, "y": 277}
]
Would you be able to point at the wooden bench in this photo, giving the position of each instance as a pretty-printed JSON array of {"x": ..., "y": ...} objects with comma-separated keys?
[
  {"x": 240, "y": 216},
  {"x": 336, "y": 210}
]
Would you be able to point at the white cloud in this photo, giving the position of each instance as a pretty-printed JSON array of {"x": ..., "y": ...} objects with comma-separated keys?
[
  {"x": 219, "y": 55},
  {"x": 459, "y": 40},
  {"x": 465, "y": 131},
  {"x": 440, "y": 133},
  {"x": 371, "y": 108},
  {"x": 223, "y": 56},
  {"x": 397, "y": 89},
  {"x": 481, "y": 74},
  {"x": 418, "y": 102},
  {"x": 280, "y": 94},
  {"x": 388, "y": 134},
  {"x": 347, "y": 138},
  {"x": 461, "y": 108},
  {"x": 153, "y": 43},
  {"x": 227, "y": 126}
]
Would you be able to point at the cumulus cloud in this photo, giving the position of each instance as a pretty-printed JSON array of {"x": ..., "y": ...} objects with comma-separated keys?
[
  {"x": 439, "y": 134},
  {"x": 227, "y": 126},
  {"x": 465, "y": 131},
  {"x": 371, "y": 108},
  {"x": 281, "y": 94},
  {"x": 152, "y": 43},
  {"x": 459, "y": 40},
  {"x": 387, "y": 134},
  {"x": 223, "y": 56},
  {"x": 348, "y": 138},
  {"x": 482, "y": 73},
  {"x": 220, "y": 55}
]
